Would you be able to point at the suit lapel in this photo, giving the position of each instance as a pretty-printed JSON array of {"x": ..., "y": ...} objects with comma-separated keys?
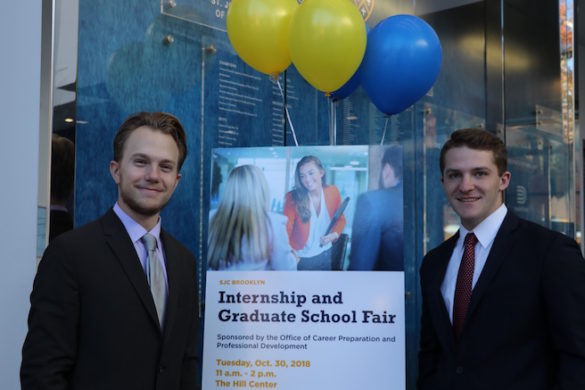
[
  {"x": 437, "y": 305},
  {"x": 123, "y": 248},
  {"x": 498, "y": 253}
]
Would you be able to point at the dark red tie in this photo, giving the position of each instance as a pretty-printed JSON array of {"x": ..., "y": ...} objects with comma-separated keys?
[{"x": 464, "y": 283}]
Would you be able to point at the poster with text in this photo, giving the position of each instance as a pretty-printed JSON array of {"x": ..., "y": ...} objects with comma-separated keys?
[{"x": 276, "y": 212}]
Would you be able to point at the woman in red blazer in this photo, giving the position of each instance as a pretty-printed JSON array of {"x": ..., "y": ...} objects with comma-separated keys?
[{"x": 309, "y": 209}]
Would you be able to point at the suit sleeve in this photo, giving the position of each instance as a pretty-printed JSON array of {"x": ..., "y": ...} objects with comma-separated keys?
[
  {"x": 564, "y": 294},
  {"x": 49, "y": 350},
  {"x": 429, "y": 342},
  {"x": 189, "y": 372},
  {"x": 365, "y": 236}
]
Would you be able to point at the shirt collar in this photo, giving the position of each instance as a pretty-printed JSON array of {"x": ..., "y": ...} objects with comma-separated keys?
[
  {"x": 488, "y": 228},
  {"x": 134, "y": 229}
]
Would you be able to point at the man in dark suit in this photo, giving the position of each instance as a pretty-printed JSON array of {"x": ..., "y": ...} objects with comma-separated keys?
[
  {"x": 94, "y": 322},
  {"x": 377, "y": 230},
  {"x": 503, "y": 298}
]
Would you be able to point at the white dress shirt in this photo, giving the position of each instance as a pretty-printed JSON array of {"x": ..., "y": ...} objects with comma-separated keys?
[
  {"x": 136, "y": 231},
  {"x": 486, "y": 233},
  {"x": 318, "y": 227}
]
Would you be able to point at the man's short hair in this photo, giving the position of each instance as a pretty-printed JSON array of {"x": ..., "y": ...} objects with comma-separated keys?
[
  {"x": 477, "y": 139},
  {"x": 393, "y": 157},
  {"x": 158, "y": 121}
]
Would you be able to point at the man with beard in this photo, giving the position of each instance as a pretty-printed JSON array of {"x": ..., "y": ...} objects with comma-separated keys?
[{"x": 114, "y": 302}]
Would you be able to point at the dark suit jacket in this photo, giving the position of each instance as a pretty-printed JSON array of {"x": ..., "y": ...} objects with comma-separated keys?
[
  {"x": 93, "y": 323},
  {"x": 525, "y": 328},
  {"x": 377, "y": 231}
]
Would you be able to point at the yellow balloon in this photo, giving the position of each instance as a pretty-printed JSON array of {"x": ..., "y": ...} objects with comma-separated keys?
[
  {"x": 327, "y": 42},
  {"x": 258, "y": 32}
]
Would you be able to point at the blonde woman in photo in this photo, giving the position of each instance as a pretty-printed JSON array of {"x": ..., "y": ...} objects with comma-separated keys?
[{"x": 243, "y": 234}]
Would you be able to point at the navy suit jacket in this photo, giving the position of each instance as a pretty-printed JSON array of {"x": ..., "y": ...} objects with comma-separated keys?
[
  {"x": 525, "y": 327},
  {"x": 93, "y": 323},
  {"x": 377, "y": 231}
]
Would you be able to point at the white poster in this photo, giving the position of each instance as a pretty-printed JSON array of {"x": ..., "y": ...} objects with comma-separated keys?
[
  {"x": 283, "y": 223},
  {"x": 304, "y": 330}
]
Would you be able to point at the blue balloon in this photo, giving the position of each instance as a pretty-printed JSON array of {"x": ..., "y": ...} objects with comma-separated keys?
[
  {"x": 351, "y": 85},
  {"x": 402, "y": 61},
  {"x": 347, "y": 88}
]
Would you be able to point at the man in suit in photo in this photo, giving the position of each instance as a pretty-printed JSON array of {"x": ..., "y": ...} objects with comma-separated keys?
[
  {"x": 502, "y": 300},
  {"x": 114, "y": 302},
  {"x": 378, "y": 225}
]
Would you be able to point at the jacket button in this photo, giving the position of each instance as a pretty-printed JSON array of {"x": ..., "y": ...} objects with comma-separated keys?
[
  {"x": 162, "y": 369},
  {"x": 459, "y": 370}
]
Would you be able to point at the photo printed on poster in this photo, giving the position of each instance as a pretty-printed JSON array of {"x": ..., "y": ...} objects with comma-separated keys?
[{"x": 275, "y": 211}]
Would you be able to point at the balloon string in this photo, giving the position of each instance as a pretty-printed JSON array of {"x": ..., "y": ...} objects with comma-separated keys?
[
  {"x": 332, "y": 123},
  {"x": 384, "y": 133},
  {"x": 292, "y": 129}
]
